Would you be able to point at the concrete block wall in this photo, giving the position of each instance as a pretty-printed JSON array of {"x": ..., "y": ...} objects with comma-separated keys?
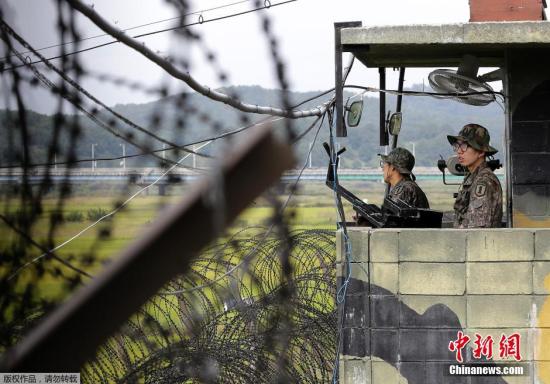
[{"x": 410, "y": 291}]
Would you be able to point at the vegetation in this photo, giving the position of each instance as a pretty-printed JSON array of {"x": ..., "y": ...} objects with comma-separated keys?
[{"x": 426, "y": 122}]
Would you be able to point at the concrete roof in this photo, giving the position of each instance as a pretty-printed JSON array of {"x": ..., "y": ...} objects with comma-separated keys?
[{"x": 443, "y": 45}]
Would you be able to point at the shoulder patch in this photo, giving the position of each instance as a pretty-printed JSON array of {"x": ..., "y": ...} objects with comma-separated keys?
[{"x": 480, "y": 190}]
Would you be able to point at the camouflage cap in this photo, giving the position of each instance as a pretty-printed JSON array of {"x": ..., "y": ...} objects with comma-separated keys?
[
  {"x": 476, "y": 136},
  {"x": 401, "y": 159}
]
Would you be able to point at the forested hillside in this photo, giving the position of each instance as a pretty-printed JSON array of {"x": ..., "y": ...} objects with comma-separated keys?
[{"x": 426, "y": 122}]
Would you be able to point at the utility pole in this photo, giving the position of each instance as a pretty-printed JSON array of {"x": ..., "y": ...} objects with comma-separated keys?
[
  {"x": 310, "y": 154},
  {"x": 94, "y": 164},
  {"x": 194, "y": 157},
  {"x": 123, "y": 155}
]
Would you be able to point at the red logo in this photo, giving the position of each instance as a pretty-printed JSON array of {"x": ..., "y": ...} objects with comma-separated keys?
[{"x": 509, "y": 346}]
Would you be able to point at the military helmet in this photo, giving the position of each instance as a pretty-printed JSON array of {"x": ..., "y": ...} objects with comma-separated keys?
[
  {"x": 401, "y": 159},
  {"x": 476, "y": 136}
]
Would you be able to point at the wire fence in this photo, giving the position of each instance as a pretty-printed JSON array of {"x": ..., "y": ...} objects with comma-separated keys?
[{"x": 256, "y": 306}]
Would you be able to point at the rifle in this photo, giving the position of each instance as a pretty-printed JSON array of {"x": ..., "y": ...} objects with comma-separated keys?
[{"x": 394, "y": 213}]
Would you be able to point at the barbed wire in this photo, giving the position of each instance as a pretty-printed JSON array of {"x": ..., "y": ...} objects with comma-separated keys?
[
  {"x": 201, "y": 21},
  {"x": 199, "y": 12},
  {"x": 270, "y": 319}
]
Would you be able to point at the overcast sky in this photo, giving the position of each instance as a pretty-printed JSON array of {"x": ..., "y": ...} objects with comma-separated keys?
[{"x": 304, "y": 29}]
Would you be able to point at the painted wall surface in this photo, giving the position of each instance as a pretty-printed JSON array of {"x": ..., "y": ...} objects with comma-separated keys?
[
  {"x": 410, "y": 293},
  {"x": 529, "y": 98}
]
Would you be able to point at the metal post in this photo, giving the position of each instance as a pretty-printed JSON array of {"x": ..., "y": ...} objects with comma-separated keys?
[
  {"x": 310, "y": 153},
  {"x": 383, "y": 134},
  {"x": 338, "y": 79},
  {"x": 508, "y": 141},
  {"x": 123, "y": 162},
  {"x": 194, "y": 158},
  {"x": 94, "y": 164},
  {"x": 399, "y": 100}
]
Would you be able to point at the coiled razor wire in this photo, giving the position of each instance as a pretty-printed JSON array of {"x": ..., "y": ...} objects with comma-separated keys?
[{"x": 224, "y": 332}]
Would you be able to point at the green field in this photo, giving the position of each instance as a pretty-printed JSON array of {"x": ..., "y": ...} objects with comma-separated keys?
[{"x": 312, "y": 206}]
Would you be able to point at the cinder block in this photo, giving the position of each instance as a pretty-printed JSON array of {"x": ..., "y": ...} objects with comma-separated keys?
[
  {"x": 527, "y": 378},
  {"x": 385, "y": 275},
  {"x": 526, "y": 347},
  {"x": 541, "y": 311},
  {"x": 358, "y": 277},
  {"x": 499, "y": 278},
  {"x": 499, "y": 311},
  {"x": 438, "y": 373},
  {"x": 385, "y": 373},
  {"x": 353, "y": 371},
  {"x": 358, "y": 271},
  {"x": 356, "y": 342},
  {"x": 500, "y": 245},
  {"x": 432, "y": 278},
  {"x": 413, "y": 372},
  {"x": 542, "y": 244},
  {"x": 384, "y": 245},
  {"x": 433, "y": 311},
  {"x": 385, "y": 344},
  {"x": 340, "y": 254},
  {"x": 385, "y": 311},
  {"x": 541, "y": 277},
  {"x": 357, "y": 311},
  {"x": 429, "y": 344},
  {"x": 542, "y": 369},
  {"x": 432, "y": 245},
  {"x": 542, "y": 338},
  {"x": 358, "y": 238}
]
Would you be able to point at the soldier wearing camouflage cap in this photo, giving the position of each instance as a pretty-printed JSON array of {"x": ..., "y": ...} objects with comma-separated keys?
[
  {"x": 479, "y": 200},
  {"x": 397, "y": 168}
]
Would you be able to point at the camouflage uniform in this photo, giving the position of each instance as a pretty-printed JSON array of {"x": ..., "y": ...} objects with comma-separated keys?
[
  {"x": 479, "y": 200},
  {"x": 406, "y": 189}
]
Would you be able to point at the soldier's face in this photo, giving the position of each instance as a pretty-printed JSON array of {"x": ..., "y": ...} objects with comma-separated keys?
[
  {"x": 469, "y": 156},
  {"x": 387, "y": 170}
]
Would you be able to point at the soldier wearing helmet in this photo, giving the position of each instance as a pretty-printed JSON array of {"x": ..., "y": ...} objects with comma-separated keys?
[
  {"x": 479, "y": 200},
  {"x": 397, "y": 168}
]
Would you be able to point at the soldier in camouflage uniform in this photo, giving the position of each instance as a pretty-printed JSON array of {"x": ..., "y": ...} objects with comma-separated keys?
[
  {"x": 479, "y": 200},
  {"x": 397, "y": 167}
]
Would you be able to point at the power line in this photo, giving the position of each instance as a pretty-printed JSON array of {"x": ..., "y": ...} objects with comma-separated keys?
[
  {"x": 201, "y": 21},
  {"x": 113, "y": 212},
  {"x": 177, "y": 73},
  {"x": 246, "y": 259},
  {"x": 75, "y": 85},
  {"x": 127, "y": 201},
  {"x": 265, "y": 120},
  {"x": 200, "y": 12}
]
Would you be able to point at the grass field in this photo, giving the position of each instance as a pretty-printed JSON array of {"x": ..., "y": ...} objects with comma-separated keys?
[{"x": 312, "y": 205}]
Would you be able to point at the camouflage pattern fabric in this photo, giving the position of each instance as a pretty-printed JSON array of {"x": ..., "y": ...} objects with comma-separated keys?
[
  {"x": 401, "y": 159},
  {"x": 408, "y": 191},
  {"x": 476, "y": 136},
  {"x": 479, "y": 200}
]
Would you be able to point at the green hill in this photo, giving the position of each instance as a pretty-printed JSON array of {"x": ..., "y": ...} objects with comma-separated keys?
[{"x": 426, "y": 122}]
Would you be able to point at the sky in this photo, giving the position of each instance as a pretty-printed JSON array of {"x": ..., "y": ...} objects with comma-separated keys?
[{"x": 304, "y": 31}]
